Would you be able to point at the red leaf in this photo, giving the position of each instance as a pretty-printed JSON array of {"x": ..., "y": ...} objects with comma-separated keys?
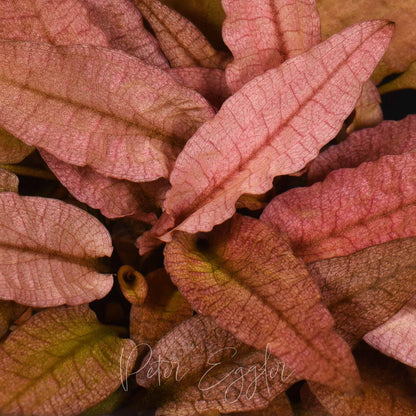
[
  {"x": 273, "y": 126},
  {"x": 263, "y": 34},
  {"x": 115, "y": 198},
  {"x": 388, "y": 138},
  {"x": 252, "y": 274},
  {"x": 350, "y": 210},
  {"x": 96, "y": 107},
  {"x": 181, "y": 41},
  {"x": 49, "y": 252}
]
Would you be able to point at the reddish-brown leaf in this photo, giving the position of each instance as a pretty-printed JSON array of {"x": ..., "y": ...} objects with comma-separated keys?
[
  {"x": 280, "y": 406},
  {"x": 273, "y": 126},
  {"x": 263, "y": 34},
  {"x": 163, "y": 309},
  {"x": 397, "y": 337},
  {"x": 115, "y": 198},
  {"x": 364, "y": 289},
  {"x": 388, "y": 138},
  {"x": 9, "y": 182},
  {"x": 252, "y": 274},
  {"x": 96, "y": 107},
  {"x": 179, "y": 39},
  {"x": 49, "y": 252},
  {"x": 350, "y": 210},
  {"x": 9, "y": 312},
  {"x": 204, "y": 368}
]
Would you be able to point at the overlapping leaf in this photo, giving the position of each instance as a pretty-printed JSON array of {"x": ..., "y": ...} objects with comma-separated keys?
[
  {"x": 68, "y": 362},
  {"x": 9, "y": 182},
  {"x": 403, "y": 81},
  {"x": 263, "y": 34},
  {"x": 96, "y": 107},
  {"x": 204, "y": 368},
  {"x": 273, "y": 126},
  {"x": 388, "y": 138},
  {"x": 279, "y": 406},
  {"x": 364, "y": 289},
  {"x": 250, "y": 275},
  {"x": 12, "y": 150},
  {"x": 350, "y": 210},
  {"x": 181, "y": 41},
  {"x": 49, "y": 252},
  {"x": 9, "y": 312},
  {"x": 397, "y": 337}
]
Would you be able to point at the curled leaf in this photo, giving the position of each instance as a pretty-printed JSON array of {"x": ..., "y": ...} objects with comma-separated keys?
[
  {"x": 273, "y": 126},
  {"x": 364, "y": 289},
  {"x": 263, "y": 34},
  {"x": 9, "y": 182},
  {"x": 115, "y": 198},
  {"x": 350, "y": 210},
  {"x": 250, "y": 275},
  {"x": 388, "y": 138},
  {"x": 163, "y": 309},
  {"x": 133, "y": 285},
  {"x": 68, "y": 362},
  {"x": 49, "y": 252},
  {"x": 200, "y": 367},
  {"x": 397, "y": 337},
  {"x": 96, "y": 107}
]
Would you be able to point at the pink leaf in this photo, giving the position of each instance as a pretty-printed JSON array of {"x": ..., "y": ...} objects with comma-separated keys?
[
  {"x": 181, "y": 41},
  {"x": 209, "y": 82},
  {"x": 113, "y": 197},
  {"x": 263, "y": 34},
  {"x": 250, "y": 275},
  {"x": 49, "y": 252},
  {"x": 273, "y": 126},
  {"x": 96, "y": 107},
  {"x": 350, "y": 210},
  {"x": 108, "y": 23},
  {"x": 388, "y": 138},
  {"x": 397, "y": 337}
]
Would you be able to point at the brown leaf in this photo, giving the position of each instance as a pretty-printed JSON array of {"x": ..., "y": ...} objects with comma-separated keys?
[
  {"x": 9, "y": 182},
  {"x": 12, "y": 150}
]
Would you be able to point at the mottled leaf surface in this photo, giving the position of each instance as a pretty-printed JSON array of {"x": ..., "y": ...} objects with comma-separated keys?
[
  {"x": 273, "y": 126},
  {"x": 402, "y": 50},
  {"x": 12, "y": 150},
  {"x": 364, "y": 289},
  {"x": 205, "y": 368},
  {"x": 49, "y": 252},
  {"x": 180, "y": 40},
  {"x": 9, "y": 182},
  {"x": 350, "y": 210},
  {"x": 115, "y": 198},
  {"x": 263, "y": 34},
  {"x": 397, "y": 337},
  {"x": 163, "y": 309},
  {"x": 67, "y": 362},
  {"x": 388, "y": 138},
  {"x": 250, "y": 275},
  {"x": 96, "y": 107}
]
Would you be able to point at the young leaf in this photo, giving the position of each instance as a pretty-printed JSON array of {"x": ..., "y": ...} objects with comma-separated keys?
[
  {"x": 366, "y": 288},
  {"x": 263, "y": 34},
  {"x": 132, "y": 284},
  {"x": 179, "y": 39},
  {"x": 12, "y": 150},
  {"x": 397, "y": 337},
  {"x": 402, "y": 50},
  {"x": 388, "y": 138},
  {"x": 250, "y": 275},
  {"x": 96, "y": 107},
  {"x": 204, "y": 368},
  {"x": 49, "y": 252},
  {"x": 9, "y": 182},
  {"x": 115, "y": 198},
  {"x": 164, "y": 308},
  {"x": 67, "y": 362},
  {"x": 350, "y": 210},
  {"x": 273, "y": 126},
  {"x": 368, "y": 112}
]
